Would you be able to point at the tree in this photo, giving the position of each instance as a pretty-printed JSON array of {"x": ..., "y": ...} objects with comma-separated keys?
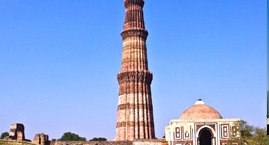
[
  {"x": 4, "y": 134},
  {"x": 246, "y": 130},
  {"x": 245, "y": 134},
  {"x": 259, "y": 137},
  {"x": 68, "y": 136},
  {"x": 98, "y": 139}
]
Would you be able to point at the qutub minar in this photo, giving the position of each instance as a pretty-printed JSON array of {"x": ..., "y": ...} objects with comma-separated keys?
[
  {"x": 198, "y": 125},
  {"x": 135, "y": 111}
]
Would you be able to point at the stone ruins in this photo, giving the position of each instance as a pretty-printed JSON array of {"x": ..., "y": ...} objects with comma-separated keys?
[
  {"x": 17, "y": 132},
  {"x": 41, "y": 139}
]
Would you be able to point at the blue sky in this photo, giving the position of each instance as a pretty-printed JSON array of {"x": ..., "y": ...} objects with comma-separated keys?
[{"x": 59, "y": 61}]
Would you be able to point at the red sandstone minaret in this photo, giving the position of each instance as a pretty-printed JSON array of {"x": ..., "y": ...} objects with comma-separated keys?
[{"x": 135, "y": 111}]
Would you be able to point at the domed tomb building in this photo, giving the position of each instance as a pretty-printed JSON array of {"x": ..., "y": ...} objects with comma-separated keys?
[{"x": 200, "y": 125}]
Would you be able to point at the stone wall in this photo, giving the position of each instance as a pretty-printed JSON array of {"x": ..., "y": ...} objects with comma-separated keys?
[
  {"x": 91, "y": 143},
  {"x": 150, "y": 142},
  {"x": 137, "y": 142}
]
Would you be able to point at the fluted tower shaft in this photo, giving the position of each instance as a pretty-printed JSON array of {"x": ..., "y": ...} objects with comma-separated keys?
[{"x": 135, "y": 111}]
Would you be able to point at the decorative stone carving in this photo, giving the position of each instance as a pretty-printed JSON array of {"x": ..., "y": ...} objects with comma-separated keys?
[
  {"x": 134, "y": 2},
  {"x": 134, "y": 33},
  {"x": 141, "y": 77}
]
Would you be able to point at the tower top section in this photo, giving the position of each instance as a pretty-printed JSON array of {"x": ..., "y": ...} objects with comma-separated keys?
[
  {"x": 134, "y": 35},
  {"x": 136, "y": 2},
  {"x": 134, "y": 25}
]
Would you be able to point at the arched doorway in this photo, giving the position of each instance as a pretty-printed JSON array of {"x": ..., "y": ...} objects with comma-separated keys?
[{"x": 205, "y": 137}]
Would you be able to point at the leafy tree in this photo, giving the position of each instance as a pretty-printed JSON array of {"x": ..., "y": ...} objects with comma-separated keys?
[
  {"x": 68, "y": 136},
  {"x": 259, "y": 137},
  {"x": 246, "y": 130},
  {"x": 4, "y": 134},
  {"x": 245, "y": 134},
  {"x": 98, "y": 139}
]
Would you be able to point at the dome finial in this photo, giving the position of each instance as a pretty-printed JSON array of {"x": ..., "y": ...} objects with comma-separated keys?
[{"x": 199, "y": 102}]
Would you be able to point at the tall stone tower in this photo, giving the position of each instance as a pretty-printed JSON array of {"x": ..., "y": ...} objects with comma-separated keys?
[{"x": 135, "y": 111}]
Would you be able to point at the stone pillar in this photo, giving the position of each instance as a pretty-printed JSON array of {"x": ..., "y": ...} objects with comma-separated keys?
[{"x": 135, "y": 111}]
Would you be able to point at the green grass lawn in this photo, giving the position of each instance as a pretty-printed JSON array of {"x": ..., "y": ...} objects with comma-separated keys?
[{"x": 5, "y": 142}]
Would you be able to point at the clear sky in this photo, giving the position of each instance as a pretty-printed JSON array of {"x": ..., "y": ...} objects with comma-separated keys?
[{"x": 59, "y": 61}]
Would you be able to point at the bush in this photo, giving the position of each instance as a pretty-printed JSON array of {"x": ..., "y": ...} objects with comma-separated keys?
[
  {"x": 4, "y": 134},
  {"x": 68, "y": 136},
  {"x": 98, "y": 139}
]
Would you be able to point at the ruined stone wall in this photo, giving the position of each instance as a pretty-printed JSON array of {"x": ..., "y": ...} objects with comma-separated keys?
[
  {"x": 91, "y": 143},
  {"x": 17, "y": 132},
  {"x": 151, "y": 142},
  {"x": 137, "y": 142}
]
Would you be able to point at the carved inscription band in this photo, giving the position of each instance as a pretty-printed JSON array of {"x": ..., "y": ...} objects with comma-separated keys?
[
  {"x": 131, "y": 124},
  {"x": 135, "y": 106},
  {"x": 134, "y": 76},
  {"x": 134, "y": 33},
  {"x": 127, "y": 90}
]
